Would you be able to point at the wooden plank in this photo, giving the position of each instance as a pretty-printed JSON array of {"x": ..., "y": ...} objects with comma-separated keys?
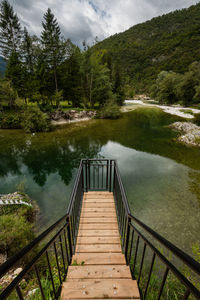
[
  {"x": 85, "y": 226},
  {"x": 98, "y": 240},
  {"x": 96, "y": 289},
  {"x": 98, "y": 220},
  {"x": 100, "y": 232},
  {"x": 112, "y": 271},
  {"x": 98, "y": 214},
  {"x": 98, "y": 192},
  {"x": 92, "y": 200},
  {"x": 99, "y": 248},
  {"x": 97, "y": 259},
  {"x": 99, "y": 209},
  {"x": 95, "y": 205}
]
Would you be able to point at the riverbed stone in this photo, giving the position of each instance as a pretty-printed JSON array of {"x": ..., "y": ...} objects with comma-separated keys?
[{"x": 190, "y": 133}]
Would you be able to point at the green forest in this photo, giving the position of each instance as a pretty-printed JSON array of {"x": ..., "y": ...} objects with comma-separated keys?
[
  {"x": 48, "y": 72},
  {"x": 51, "y": 72},
  {"x": 166, "y": 43}
]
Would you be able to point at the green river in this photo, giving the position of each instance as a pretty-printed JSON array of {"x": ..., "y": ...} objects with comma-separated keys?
[{"x": 161, "y": 177}]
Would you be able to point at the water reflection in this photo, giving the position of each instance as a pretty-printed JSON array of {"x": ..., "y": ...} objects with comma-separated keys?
[{"x": 161, "y": 177}]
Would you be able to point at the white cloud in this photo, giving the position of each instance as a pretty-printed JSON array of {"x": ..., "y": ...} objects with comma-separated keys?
[{"x": 84, "y": 19}]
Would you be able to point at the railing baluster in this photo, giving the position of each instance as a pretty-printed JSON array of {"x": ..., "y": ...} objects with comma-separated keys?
[
  {"x": 50, "y": 273},
  {"x": 127, "y": 239},
  {"x": 110, "y": 175},
  {"x": 131, "y": 246},
  {"x": 86, "y": 176},
  {"x": 136, "y": 251},
  {"x": 66, "y": 247},
  {"x": 187, "y": 294},
  {"x": 149, "y": 277},
  {"x": 39, "y": 282},
  {"x": 89, "y": 173},
  {"x": 142, "y": 261},
  {"x": 163, "y": 282},
  {"x": 19, "y": 293},
  {"x": 94, "y": 176},
  {"x": 61, "y": 248},
  {"x": 107, "y": 174}
]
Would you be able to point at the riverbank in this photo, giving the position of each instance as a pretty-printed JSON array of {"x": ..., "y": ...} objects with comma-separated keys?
[
  {"x": 71, "y": 116},
  {"x": 184, "y": 112}
]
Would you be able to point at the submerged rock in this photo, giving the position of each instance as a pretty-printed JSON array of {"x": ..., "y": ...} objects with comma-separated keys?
[{"x": 190, "y": 133}]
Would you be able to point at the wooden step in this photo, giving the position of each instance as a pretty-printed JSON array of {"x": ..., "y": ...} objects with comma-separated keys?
[
  {"x": 99, "y": 248},
  {"x": 97, "y": 259},
  {"x": 98, "y": 220},
  {"x": 84, "y": 226},
  {"x": 100, "y": 289},
  {"x": 98, "y": 201},
  {"x": 99, "y": 210},
  {"x": 86, "y": 214},
  {"x": 100, "y": 272},
  {"x": 99, "y": 204},
  {"x": 98, "y": 193},
  {"x": 100, "y": 232},
  {"x": 98, "y": 240}
]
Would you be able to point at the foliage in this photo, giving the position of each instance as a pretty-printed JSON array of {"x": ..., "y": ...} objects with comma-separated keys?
[
  {"x": 53, "y": 48},
  {"x": 10, "y": 120},
  {"x": 172, "y": 87},
  {"x": 7, "y": 93},
  {"x": 15, "y": 233},
  {"x": 10, "y": 33},
  {"x": 166, "y": 87},
  {"x": 109, "y": 111},
  {"x": 35, "y": 121},
  {"x": 197, "y": 119},
  {"x": 169, "y": 42},
  {"x": 58, "y": 97}
]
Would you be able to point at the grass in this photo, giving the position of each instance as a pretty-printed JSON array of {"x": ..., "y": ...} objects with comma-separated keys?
[{"x": 187, "y": 111}]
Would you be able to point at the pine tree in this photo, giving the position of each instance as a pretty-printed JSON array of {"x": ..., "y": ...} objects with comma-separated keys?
[
  {"x": 52, "y": 43},
  {"x": 28, "y": 50},
  {"x": 10, "y": 30}
]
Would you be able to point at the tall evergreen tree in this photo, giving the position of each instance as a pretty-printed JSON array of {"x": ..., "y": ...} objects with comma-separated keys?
[
  {"x": 52, "y": 44},
  {"x": 28, "y": 50},
  {"x": 10, "y": 30}
]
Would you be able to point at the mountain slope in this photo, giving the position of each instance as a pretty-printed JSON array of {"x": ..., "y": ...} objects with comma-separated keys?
[{"x": 169, "y": 42}]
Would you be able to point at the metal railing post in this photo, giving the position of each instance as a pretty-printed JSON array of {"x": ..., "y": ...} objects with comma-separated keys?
[
  {"x": 127, "y": 239},
  {"x": 69, "y": 238}
]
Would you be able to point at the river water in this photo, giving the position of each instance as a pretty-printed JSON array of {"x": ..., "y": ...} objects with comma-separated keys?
[{"x": 161, "y": 177}]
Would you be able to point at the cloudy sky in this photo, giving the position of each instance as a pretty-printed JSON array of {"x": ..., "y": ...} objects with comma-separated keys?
[{"x": 85, "y": 19}]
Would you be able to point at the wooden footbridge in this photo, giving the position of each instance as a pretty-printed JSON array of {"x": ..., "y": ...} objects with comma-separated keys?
[
  {"x": 99, "y": 250},
  {"x": 99, "y": 268}
]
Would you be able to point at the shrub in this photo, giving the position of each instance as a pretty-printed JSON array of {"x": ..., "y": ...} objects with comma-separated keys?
[
  {"x": 10, "y": 120},
  {"x": 34, "y": 120},
  {"x": 15, "y": 233},
  {"x": 110, "y": 110},
  {"x": 197, "y": 119}
]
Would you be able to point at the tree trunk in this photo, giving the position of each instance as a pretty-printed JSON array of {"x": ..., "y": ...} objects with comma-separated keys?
[
  {"x": 91, "y": 81},
  {"x": 55, "y": 77}
]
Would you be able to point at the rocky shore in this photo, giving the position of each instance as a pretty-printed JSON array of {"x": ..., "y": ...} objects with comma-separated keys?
[
  {"x": 70, "y": 116},
  {"x": 190, "y": 133},
  {"x": 176, "y": 110}
]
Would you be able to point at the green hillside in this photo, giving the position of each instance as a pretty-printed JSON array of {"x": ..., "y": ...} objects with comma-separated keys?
[{"x": 169, "y": 42}]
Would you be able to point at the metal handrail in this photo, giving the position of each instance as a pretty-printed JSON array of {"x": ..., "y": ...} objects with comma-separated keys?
[
  {"x": 101, "y": 174},
  {"x": 127, "y": 229},
  {"x": 67, "y": 238},
  {"x": 187, "y": 259}
]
